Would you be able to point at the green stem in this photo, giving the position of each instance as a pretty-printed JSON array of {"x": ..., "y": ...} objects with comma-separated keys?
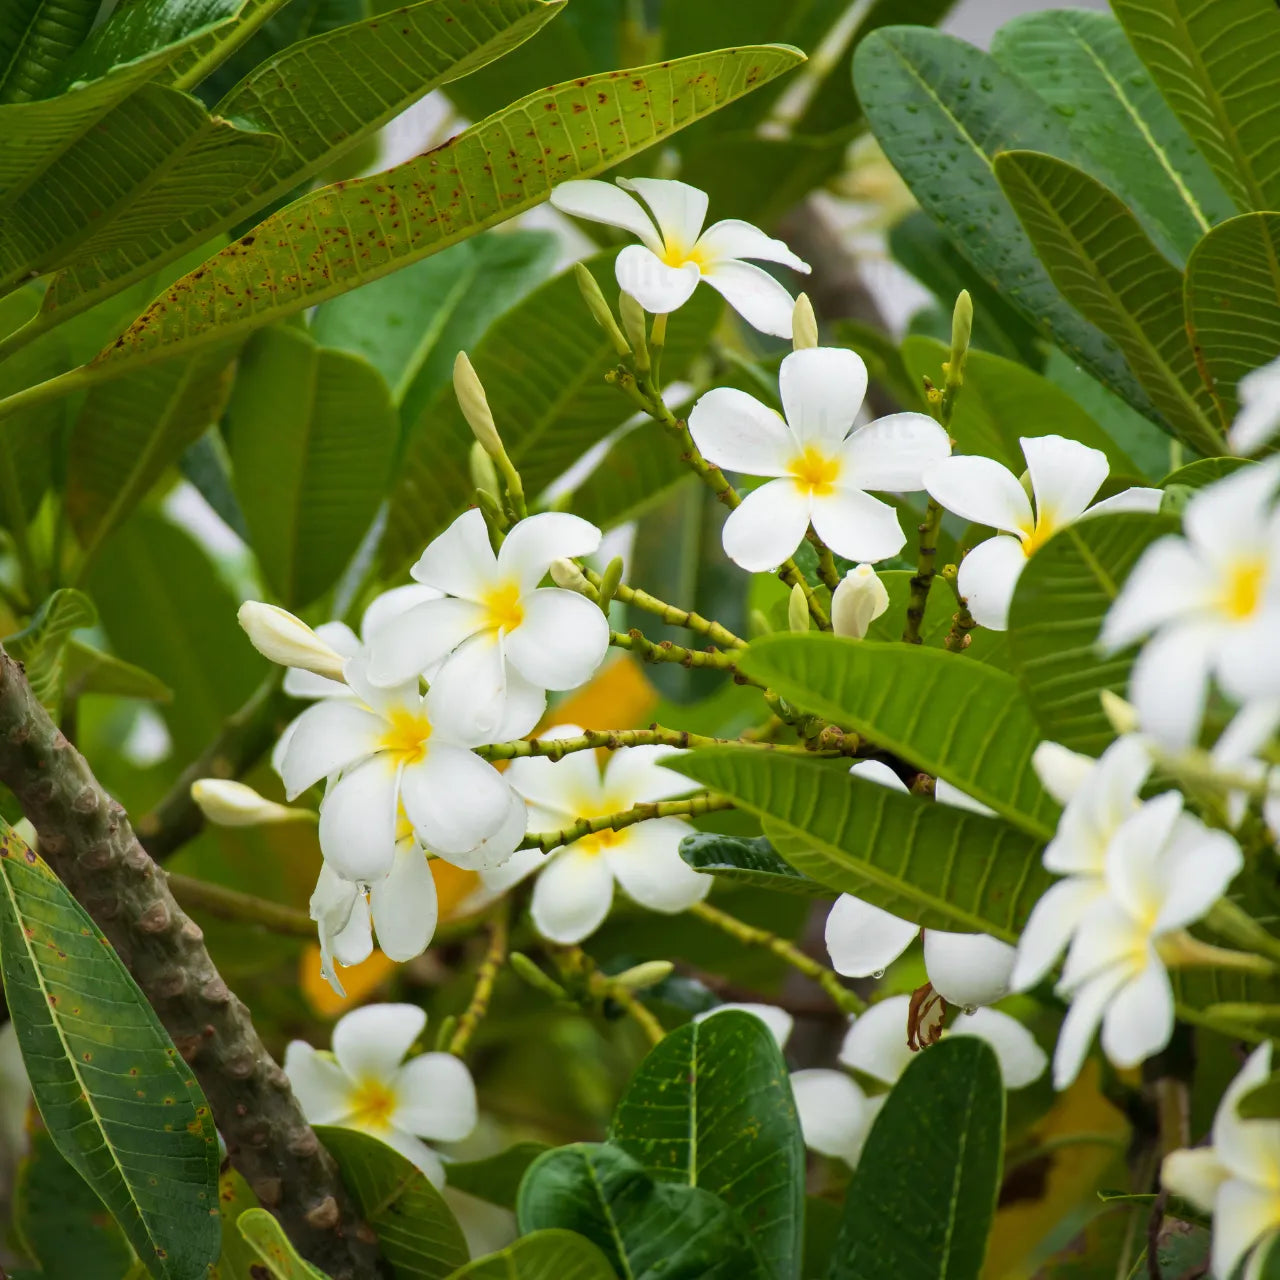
[
  {"x": 657, "y": 341},
  {"x": 671, "y": 614},
  {"x": 693, "y": 807},
  {"x": 922, "y": 579},
  {"x": 230, "y": 904},
  {"x": 654, "y": 735},
  {"x": 827, "y": 570},
  {"x": 634, "y": 641},
  {"x": 962, "y": 623},
  {"x": 52, "y": 389},
  {"x": 486, "y": 976},
  {"x": 1238, "y": 927}
]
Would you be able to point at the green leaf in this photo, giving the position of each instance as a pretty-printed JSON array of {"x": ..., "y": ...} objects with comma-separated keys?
[
  {"x": 1195, "y": 475},
  {"x": 116, "y": 1097},
  {"x": 1081, "y": 64},
  {"x": 89, "y": 670},
  {"x": 41, "y": 645},
  {"x": 924, "y": 1193},
  {"x": 648, "y": 1230},
  {"x": 960, "y": 720},
  {"x": 267, "y": 1239},
  {"x": 711, "y": 1107},
  {"x": 237, "y": 1257},
  {"x": 1101, "y": 260},
  {"x": 496, "y": 1178},
  {"x": 200, "y": 56},
  {"x": 747, "y": 860},
  {"x": 130, "y": 431},
  {"x": 942, "y": 110},
  {"x": 542, "y": 1255},
  {"x": 35, "y": 37},
  {"x": 632, "y": 478},
  {"x": 312, "y": 435},
  {"x": 1056, "y": 615},
  {"x": 353, "y": 232},
  {"x": 542, "y": 365},
  {"x": 1217, "y": 65},
  {"x": 943, "y": 867},
  {"x": 1233, "y": 301},
  {"x": 1262, "y": 1102}
]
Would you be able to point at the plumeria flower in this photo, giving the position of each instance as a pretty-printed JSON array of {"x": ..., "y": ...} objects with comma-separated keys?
[
  {"x": 1164, "y": 870},
  {"x": 662, "y": 271},
  {"x": 1065, "y": 476},
  {"x": 779, "y": 1021},
  {"x": 575, "y": 883},
  {"x": 819, "y": 466},
  {"x": 835, "y": 1113},
  {"x": 858, "y": 600},
  {"x": 498, "y": 640},
  {"x": 1259, "y": 417},
  {"x": 365, "y": 1084},
  {"x": 1237, "y": 1178},
  {"x": 395, "y": 751},
  {"x": 1210, "y": 600}
]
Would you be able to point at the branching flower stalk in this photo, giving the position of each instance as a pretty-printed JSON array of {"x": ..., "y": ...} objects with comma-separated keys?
[
  {"x": 694, "y": 807},
  {"x": 495, "y": 957}
]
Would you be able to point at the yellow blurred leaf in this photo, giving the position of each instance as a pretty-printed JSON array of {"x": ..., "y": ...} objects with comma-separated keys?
[{"x": 620, "y": 697}]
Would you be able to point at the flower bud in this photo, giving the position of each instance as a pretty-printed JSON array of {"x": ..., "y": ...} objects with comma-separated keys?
[
  {"x": 484, "y": 475},
  {"x": 857, "y": 602},
  {"x": 804, "y": 324},
  {"x": 566, "y": 574},
  {"x": 797, "y": 610},
  {"x": 233, "y": 804},
  {"x": 642, "y": 976},
  {"x": 526, "y": 969},
  {"x": 609, "y": 581},
  {"x": 1062, "y": 772},
  {"x": 961, "y": 332},
  {"x": 475, "y": 406},
  {"x": 599, "y": 309},
  {"x": 279, "y": 636},
  {"x": 1122, "y": 715},
  {"x": 633, "y": 323}
]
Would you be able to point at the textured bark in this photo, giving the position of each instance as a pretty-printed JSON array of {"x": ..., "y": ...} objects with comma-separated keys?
[{"x": 85, "y": 837}]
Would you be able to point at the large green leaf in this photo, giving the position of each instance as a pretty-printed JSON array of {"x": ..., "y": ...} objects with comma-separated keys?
[
  {"x": 943, "y": 867},
  {"x": 941, "y": 110},
  {"x": 35, "y": 37},
  {"x": 924, "y": 1193},
  {"x": 279, "y": 1259},
  {"x": 541, "y": 1255},
  {"x": 417, "y": 1233},
  {"x": 1233, "y": 301},
  {"x": 1106, "y": 267},
  {"x": 632, "y": 477},
  {"x": 117, "y": 1099},
  {"x": 312, "y": 434},
  {"x": 41, "y": 645},
  {"x": 201, "y": 56},
  {"x": 1217, "y": 65},
  {"x": 957, "y": 719},
  {"x": 353, "y": 232},
  {"x": 1081, "y": 64},
  {"x": 711, "y": 1107},
  {"x": 748, "y": 860},
  {"x": 648, "y": 1230},
  {"x": 543, "y": 367},
  {"x": 89, "y": 670},
  {"x": 1057, "y": 612}
]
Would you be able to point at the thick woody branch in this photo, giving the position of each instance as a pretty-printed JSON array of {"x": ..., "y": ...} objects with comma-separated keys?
[{"x": 86, "y": 839}]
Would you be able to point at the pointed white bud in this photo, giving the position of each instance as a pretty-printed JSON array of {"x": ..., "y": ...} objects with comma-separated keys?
[
  {"x": 475, "y": 406},
  {"x": 1123, "y": 715},
  {"x": 797, "y": 610},
  {"x": 804, "y": 324},
  {"x": 233, "y": 804},
  {"x": 278, "y": 635},
  {"x": 642, "y": 976},
  {"x": 857, "y": 602},
  {"x": 566, "y": 574},
  {"x": 1061, "y": 771}
]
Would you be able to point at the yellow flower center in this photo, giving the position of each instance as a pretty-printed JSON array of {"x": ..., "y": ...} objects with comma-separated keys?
[
  {"x": 406, "y": 735},
  {"x": 1041, "y": 531},
  {"x": 815, "y": 471},
  {"x": 503, "y": 610},
  {"x": 600, "y": 841},
  {"x": 1243, "y": 590},
  {"x": 674, "y": 254},
  {"x": 372, "y": 1104}
]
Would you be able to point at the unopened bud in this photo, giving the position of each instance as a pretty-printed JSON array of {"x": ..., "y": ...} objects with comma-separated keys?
[
  {"x": 961, "y": 332},
  {"x": 797, "y": 610},
  {"x": 642, "y": 976},
  {"x": 758, "y": 623},
  {"x": 233, "y": 804},
  {"x": 526, "y": 969},
  {"x": 804, "y": 324},
  {"x": 599, "y": 309},
  {"x": 279, "y": 636},
  {"x": 609, "y": 581},
  {"x": 475, "y": 406},
  {"x": 633, "y": 325},
  {"x": 484, "y": 475},
  {"x": 1122, "y": 715},
  {"x": 566, "y": 574},
  {"x": 857, "y": 602}
]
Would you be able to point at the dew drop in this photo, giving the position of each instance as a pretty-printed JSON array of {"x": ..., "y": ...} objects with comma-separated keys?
[
  {"x": 878, "y": 974},
  {"x": 971, "y": 1009}
]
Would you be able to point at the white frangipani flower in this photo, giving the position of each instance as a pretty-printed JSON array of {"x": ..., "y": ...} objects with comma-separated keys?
[
  {"x": 1237, "y": 1178},
  {"x": 1164, "y": 870},
  {"x": 820, "y": 467},
  {"x": 279, "y": 636},
  {"x": 1210, "y": 600},
  {"x": 1065, "y": 475},
  {"x": 499, "y": 639},
  {"x": 395, "y": 750},
  {"x": 779, "y": 1021},
  {"x": 575, "y": 883},
  {"x": 662, "y": 271},
  {"x": 365, "y": 1084},
  {"x": 858, "y": 600},
  {"x": 835, "y": 1114},
  {"x": 1259, "y": 417}
]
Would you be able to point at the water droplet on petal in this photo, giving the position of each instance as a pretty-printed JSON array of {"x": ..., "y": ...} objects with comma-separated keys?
[
  {"x": 971, "y": 1009},
  {"x": 878, "y": 974}
]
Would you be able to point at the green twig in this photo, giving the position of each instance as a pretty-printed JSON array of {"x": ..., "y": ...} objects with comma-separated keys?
[
  {"x": 635, "y": 641},
  {"x": 244, "y": 908},
  {"x": 693, "y": 807},
  {"x": 654, "y": 735},
  {"x": 486, "y": 976},
  {"x": 670, "y": 614}
]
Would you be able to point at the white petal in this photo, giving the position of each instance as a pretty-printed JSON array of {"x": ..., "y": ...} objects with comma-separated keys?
[
  {"x": 1169, "y": 581},
  {"x": 834, "y": 1113},
  {"x": 1242, "y": 1214},
  {"x": 562, "y": 786},
  {"x": 779, "y": 1021},
  {"x": 353, "y": 944},
  {"x": 657, "y": 287},
  {"x": 1249, "y": 1148},
  {"x": 1134, "y": 866},
  {"x": 945, "y": 793},
  {"x": 1195, "y": 869},
  {"x": 384, "y": 700},
  {"x": 561, "y": 641},
  {"x": 526, "y": 704},
  {"x": 1135, "y": 499},
  {"x": 604, "y": 202},
  {"x": 326, "y": 738},
  {"x": 858, "y": 600},
  {"x": 967, "y": 969},
  {"x": 414, "y": 1150},
  {"x": 856, "y": 525},
  {"x": 1065, "y": 475},
  {"x": 1244, "y": 660},
  {"x": 306, "y": 684},
  {"x": 358, "y": 820},
  {"x": 733, "y": 238},
  {"x": 456, "y": 801},
  {"x": 1139, "y": 1019},
  {"x": 572, "y": 896},
  {"x": 460, "y": 561},
  {"x": 342, "y": 921},
  {"x": 1078, "y": 1027},
  {"x": 862, "y": 939},
  {"x": 469, "y": 691},
  {"x": 518, "y": 867},
  {"x": 876, "y": 1042},
  {"x": 370, "y": 1043},
  {"x": 1170, "y": 682},
  {"x": 1061, "y": 771},
  {"x": 533, "y": 543},
  {"x": 646, "y": 862},
  {"x": 1229, "y": 518},
  {"x": 1194, "y": 1176},
  {"x": 769, "y": 525},
  {"x": 636, "y": 775},
  {"x": 389, "y": 605},
  {"x": 822, "y": 389},
  {"x": 1053, "y": 920},
  {"x": 981, "y": 490},
  {"x": 677, "y": 208},
  {"x": 988, "y": 578},
  {"x": 1021, "y": 1059},
  {"x": 735, "y": 431},
  {"x": 415, "y": 641},
  {"x": 435, "y": 1098},
  {"x": 754, "y": 294},
  {"x": 495, "y": 850},
  {"x": 322, "y": 1088},
  {"x": 893, "y": 452},
  {"x": 878, "y": 772},
  {"x": 404, "y": 904}
]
